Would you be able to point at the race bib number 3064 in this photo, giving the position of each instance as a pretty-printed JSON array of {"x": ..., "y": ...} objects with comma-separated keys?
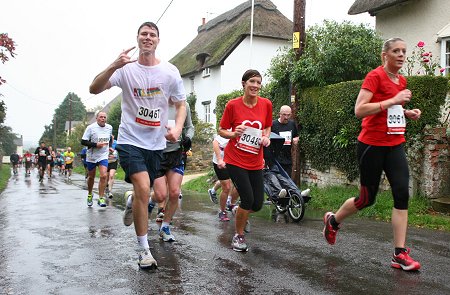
[{"x": 250, "y": 140}]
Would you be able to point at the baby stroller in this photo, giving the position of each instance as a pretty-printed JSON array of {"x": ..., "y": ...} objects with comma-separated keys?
[{"x": 282, "y": 191}]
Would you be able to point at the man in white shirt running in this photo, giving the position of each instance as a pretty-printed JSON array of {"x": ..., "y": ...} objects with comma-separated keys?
[
  {"x": 147, "y": 84},
  {"x": 98, "y": 138}
]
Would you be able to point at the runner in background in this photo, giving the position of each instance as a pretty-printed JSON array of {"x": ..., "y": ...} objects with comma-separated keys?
[
  {"x": 69, "y": 156},
  {"x": 28, "y": 158},
  {"x": 228, "y": 194},
  {"x": 167, "y": 186},
  {"x": 50, "y": 161},
  {"x": 41, "y": 156},
  {"x": 98, "y": 138},
  {"x": 14, "y": 160}
]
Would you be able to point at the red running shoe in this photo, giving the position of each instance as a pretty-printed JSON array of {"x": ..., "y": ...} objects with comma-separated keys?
[
  {"x": 328, "y": 231},
  {"x": 404, "y": 261}
]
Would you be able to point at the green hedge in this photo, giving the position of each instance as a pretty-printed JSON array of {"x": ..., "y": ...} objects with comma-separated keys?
[{"x": 329, "y": 128}]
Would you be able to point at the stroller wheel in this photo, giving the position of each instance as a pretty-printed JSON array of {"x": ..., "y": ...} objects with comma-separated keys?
[{"x": 296, "y": 208}]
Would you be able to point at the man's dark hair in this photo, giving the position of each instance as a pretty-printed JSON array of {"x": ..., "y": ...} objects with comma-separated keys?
[{"x": 149, "y": 24}]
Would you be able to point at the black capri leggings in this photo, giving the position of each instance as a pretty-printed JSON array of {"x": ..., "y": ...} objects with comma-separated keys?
[
  {"x": 373, "y": 160},
  {"x": 250, "y": 186}
]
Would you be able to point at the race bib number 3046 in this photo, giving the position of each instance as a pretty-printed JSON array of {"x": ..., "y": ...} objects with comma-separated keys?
[
  {"x": 396, "y": 122},
  {"x": 250, "y": 140},
  {"x": 149, "y": 117}
]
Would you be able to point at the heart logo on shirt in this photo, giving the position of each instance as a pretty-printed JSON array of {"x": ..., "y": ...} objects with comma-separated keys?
[{"x": 254, "y": 124}]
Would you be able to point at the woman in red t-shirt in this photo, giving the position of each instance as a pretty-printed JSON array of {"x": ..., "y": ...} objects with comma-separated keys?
[
  {"x": 246, "y": 122},
  {"x": 380, "y": 148}
]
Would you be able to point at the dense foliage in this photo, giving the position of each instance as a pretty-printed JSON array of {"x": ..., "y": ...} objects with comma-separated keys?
[
  {"x": 71, "y": 109},
  {"x": 334, "y": 52},
  {"x": 7, "y": 137}
]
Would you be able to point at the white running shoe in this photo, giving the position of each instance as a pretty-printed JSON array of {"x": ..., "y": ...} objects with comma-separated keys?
[
  {"x": 238, "y": 243},
  {"x": 128, "y": 212},
  {"x": 146, "y": 259}
]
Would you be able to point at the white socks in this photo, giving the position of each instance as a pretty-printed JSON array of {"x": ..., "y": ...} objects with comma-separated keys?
[{"x": 143, "y": 242}]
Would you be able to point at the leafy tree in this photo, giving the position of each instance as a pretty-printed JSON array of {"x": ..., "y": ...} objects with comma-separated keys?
[
  {"x": 7, "y": 138},
  {"x": 7, "y": 144},
  {"x": 74, "y": 140},
  {"x": 71, "y": 109},
  {"x": 334, "y": 52},
  {"x": 2, "y": 112},
  {"x": 7, "y": 47}
]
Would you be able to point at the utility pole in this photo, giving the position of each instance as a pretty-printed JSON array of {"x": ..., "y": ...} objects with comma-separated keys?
[
  {"x": 298, "y": 44},
  {"x": 54, "y": 132},
  {"x": 70, "y": 113}
]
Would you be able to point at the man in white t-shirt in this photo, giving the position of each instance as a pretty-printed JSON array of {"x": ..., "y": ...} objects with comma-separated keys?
[
  {"x": 98, "y": 138},
  {"x": 147, "y": 84}
]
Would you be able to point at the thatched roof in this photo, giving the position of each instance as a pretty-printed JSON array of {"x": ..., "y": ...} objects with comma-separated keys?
[
  {"x": 219, "y": 37},
  {"x": 372, "y": 6}
]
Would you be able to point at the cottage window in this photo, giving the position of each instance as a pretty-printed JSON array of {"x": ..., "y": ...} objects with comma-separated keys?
[
  {"x": 207, "y": 111},
  {"x": 206, "y": 72},
  {"x": 447, "y": 56}
]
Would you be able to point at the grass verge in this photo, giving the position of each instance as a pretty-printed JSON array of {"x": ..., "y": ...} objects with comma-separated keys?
[
  {"x": 420, "y": 214},
  {"x": 5, "y": 174}
]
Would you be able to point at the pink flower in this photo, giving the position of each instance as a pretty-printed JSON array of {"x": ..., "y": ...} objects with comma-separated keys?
[
  {"x": 425, "y": 54},
  {"x": 442, "y": 70},
  {"x": 425, "y": 60},
  {"x": 421, "y": 44}
]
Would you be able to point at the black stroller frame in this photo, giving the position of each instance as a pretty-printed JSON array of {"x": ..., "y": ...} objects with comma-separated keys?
[{"x": 294, "y": 201}]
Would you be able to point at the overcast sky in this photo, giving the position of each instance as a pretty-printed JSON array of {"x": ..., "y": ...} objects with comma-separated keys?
[{"x": 62, "y": 45}]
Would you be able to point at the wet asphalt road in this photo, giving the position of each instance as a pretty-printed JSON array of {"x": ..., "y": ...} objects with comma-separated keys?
[{"x": 51, "y": 243}]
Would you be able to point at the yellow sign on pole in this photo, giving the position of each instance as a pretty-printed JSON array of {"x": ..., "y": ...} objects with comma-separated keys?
[{"x": 296, "y": 40}]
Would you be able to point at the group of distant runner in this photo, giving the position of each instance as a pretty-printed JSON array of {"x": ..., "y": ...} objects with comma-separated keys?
[{"x": 45, "y": 160}]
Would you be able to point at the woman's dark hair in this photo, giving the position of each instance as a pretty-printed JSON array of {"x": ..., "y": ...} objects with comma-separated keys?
[
  {"x": 250, "y": 74},
  {"x": 149, "y": 24}
]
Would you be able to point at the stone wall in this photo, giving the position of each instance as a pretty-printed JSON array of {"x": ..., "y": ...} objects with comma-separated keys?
[
  {"x": 331, "y": 177},
  {"x": 201, "y": 159},
  {"x": 436, "y": 163}
]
